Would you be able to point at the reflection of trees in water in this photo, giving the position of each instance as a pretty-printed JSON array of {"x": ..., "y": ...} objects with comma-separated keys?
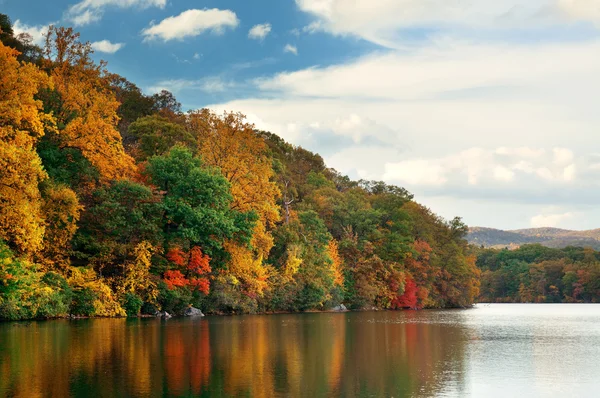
[{"x": 355, "y": 354}]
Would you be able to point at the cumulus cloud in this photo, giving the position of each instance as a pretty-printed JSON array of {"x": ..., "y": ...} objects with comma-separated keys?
[
  {"x": 105, "y": 46},
  {"x": 260, "y": 31},
  {"x": 289, "y": 48},
  {"x": 88, "y": 11},
  {"x": 36, "y": 32},
  {"x": 192, "y": 23}
]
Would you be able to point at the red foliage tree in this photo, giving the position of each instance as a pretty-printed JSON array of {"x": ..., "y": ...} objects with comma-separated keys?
[
  {"x": 409, "y": 297},
  {"x": 195, "y": 267},
  {"x": 174, "y": 279},
  {"x": 177, "y": 256}
]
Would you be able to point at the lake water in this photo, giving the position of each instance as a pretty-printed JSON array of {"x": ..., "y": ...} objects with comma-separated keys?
[{"x": 498, "y": 350}]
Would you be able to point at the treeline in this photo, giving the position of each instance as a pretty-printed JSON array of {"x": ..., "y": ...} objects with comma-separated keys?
[
  {"x": 116, "y": 203},
  {"x": 539, "y": 274}
]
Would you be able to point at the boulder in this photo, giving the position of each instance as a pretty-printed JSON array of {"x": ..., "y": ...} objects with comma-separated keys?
[
  {"x": 340, "y": 308},
  {"x": 163, "y": 314},
  {"x": 191, "y": 311}
]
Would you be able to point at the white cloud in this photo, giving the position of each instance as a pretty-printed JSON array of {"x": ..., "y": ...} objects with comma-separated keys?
[
  {"x": 36, "y": 32},
  {"x": 551, "y": 220},
  {"x": 483, "y": 168},
  {"x": 586, "y": 10},
  {"x": 192, "y": 23},
  {"x": 85, "y": 18},
  {"x": 88, "y": 11},
  {"x": 523, "y": 152},
  {"x": 259, "y": 32},
  {"x": 562, "y": 156},
  {"x": 105, "y": 46},
  {"x": 503, "y": 173},
  {"x": 445, "y": 68},
  {"x": 208, "y": 85},
  {"x": 290, "y": 49},
  {"x": 380, "y": 21},
  {"x": 570, "y": 172},
  {"x": 417, "y": 172}
]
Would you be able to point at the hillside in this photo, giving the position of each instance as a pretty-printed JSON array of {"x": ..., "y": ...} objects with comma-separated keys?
[
  {"x": 115, "y": 203},
  {"x": 550, "y": 237}
]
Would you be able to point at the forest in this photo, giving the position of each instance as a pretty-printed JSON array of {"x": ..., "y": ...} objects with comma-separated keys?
[
  {"x": 117, "y": 203},
  {"x": 538, "y": 274}
]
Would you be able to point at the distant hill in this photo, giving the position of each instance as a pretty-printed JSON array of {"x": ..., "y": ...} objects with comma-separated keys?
[{"x": 551, "y": 237}]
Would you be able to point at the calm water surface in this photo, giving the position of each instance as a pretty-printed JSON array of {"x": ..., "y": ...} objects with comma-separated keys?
[{"x": 498, "y": 350}]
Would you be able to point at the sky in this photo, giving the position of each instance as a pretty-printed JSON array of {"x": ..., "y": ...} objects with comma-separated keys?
[{"x": 484, "y": 109}]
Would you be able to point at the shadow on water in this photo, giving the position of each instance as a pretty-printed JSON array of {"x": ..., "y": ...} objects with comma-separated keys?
[{"x": 365, "y": 354}]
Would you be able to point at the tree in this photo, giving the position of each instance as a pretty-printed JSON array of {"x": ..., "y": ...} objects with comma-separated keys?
[
  {"x": 196, "y": 204},
  {"x": 119, "y": 216},
  {"x": 61, "y": 211},
  {"x": 22, "y": 123},
  {"x": 84, "y": 105},
  {"x": 23, "y": 42},
  {"x": 155, "y": 135},
  {"x": 133, "y": 103},
  {"x": 231, "y": 145}
]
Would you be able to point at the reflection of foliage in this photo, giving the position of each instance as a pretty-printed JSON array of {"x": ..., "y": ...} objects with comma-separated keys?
[{"x": 290, "y": 355}]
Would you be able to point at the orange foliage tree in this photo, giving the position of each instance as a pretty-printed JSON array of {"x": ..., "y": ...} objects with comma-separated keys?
[
  {"x": 22, "y": 123},
  {"x": 84, "y": 105}
]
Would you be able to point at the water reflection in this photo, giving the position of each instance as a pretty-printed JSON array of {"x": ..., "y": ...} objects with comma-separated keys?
[
  {"x": 357, "y": 354},
  {"x": 488, "y": 351}
]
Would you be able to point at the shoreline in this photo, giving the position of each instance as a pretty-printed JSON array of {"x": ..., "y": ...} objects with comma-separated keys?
[{"x": 147, "y": 316}]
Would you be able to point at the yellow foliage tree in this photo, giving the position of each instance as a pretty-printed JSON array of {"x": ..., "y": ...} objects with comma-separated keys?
[
  {"x": 247, "y": 270},
  {"x": 336, "y": 263},
  {"x": 105, "y": 300},
  {"x": 136, "y": 274},
  {"x": 22, "y": 122},
  {"x": 292, "y": 264},
  {"x": 87, "y": 108},
  {"x": 61, "y": 211},
  {"x": 230, "y": 144}
]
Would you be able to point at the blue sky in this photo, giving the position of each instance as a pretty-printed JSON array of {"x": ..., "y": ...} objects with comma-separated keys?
[{"x": 485, "y": 109}]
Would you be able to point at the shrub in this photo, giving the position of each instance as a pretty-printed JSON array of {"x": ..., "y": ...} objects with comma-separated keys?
[
  {"x": 83, "y": 302},
  {"x": 132, "y": 304}
]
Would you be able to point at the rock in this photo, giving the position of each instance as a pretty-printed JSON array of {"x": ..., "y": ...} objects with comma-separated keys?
[
  {"x": 340, "y": 308},
  {"x": 164, "y": 314},
  {"x": 191, "y": 311}
]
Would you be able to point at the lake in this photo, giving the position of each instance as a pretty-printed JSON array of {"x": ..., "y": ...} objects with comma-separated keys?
[{"x": 491, "y": 350}]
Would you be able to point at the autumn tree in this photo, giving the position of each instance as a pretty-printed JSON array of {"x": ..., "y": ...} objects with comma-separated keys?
[
  {"x": 196, "y": 203},
  {"x": 61, "y": 211},
  {"x": 119, "y": 216},
  {"x": 230, "y": 144},
  {"x": 155, "y": 135},
  {"x": 84, "y": 105},
  {"x": 22, "y": 123}
]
